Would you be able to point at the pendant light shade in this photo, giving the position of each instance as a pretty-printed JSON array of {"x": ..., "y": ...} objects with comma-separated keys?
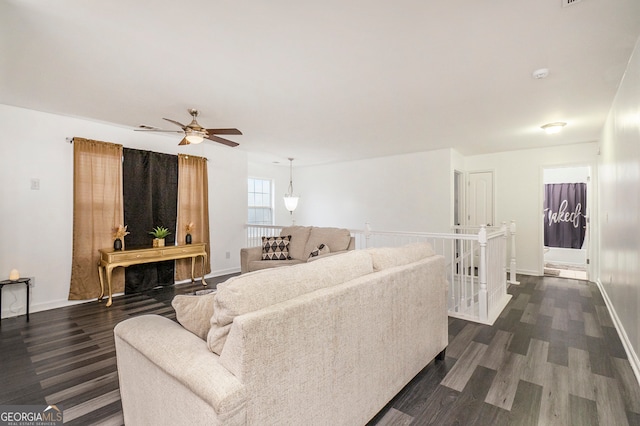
[{"x": 290, "y": 200}]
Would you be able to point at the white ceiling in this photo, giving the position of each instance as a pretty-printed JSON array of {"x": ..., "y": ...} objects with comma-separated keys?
[{"x": 325, "y": 81}]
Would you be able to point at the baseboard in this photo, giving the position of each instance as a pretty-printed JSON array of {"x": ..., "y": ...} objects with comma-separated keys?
[
  {"x": 528, "y": 272},
  {"x": 631, "y": 354},
  {"x": 61, "y": 303},
  {"x": 44, "y": 306},
  {"x": 227, "y": 271}
]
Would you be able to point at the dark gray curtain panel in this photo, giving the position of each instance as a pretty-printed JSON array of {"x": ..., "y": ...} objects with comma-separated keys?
[
  {"x": 150, "y": 193},
  {"x": 565, "y": 209}
]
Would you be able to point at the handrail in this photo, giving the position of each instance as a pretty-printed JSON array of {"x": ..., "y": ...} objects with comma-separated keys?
[{"x": 476, "y": 262}]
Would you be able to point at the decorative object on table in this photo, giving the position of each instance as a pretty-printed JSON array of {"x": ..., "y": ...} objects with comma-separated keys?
[
  {"x": 14, "y": 275},
  {"x": 290, "y": 200},
  {"x": 159, "y": 233},
  {"x": 118, "y": 235},
  {"x": 187, "y": 238}
]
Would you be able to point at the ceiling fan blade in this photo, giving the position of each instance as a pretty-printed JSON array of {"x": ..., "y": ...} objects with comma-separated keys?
[
  {"x": 222, "y": 141},
  {"x": 175, "y": 122},
  {"x": 224, "y": 131},
  {"x": 158, "y": 130},
  {"x": 184, "y": 141}
]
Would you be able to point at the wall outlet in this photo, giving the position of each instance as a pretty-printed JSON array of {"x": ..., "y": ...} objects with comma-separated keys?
[{"x": 228, "y": 255}]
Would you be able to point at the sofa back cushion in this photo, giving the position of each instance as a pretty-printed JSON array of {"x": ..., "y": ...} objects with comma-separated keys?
[
  {"x": 337, "y": 239},
  {"x": 298, "y": 241},
  {"x": 389, "y": 257},
  {"x": 257, "y": 290}
]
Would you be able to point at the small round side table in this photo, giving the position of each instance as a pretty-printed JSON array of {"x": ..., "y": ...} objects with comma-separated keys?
[{"x": 25, "y": 281}]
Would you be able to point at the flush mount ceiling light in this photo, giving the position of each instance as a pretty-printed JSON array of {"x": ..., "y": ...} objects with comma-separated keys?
[
  {"x": 290, "y": 200},
  {"x": 540, "y": 73},
  {"x": 552, "y": 128}
]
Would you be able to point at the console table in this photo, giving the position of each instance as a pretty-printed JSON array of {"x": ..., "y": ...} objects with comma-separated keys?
[
  {"x": 18, "y": 281},
  {"x": 110, "y": 259}
]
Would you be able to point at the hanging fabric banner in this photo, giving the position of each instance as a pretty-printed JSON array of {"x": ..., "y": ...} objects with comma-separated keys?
[{"x": 565, "y": 208}]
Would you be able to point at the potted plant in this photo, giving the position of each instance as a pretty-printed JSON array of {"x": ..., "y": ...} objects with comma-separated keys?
[{"x": 159, "y": 233}]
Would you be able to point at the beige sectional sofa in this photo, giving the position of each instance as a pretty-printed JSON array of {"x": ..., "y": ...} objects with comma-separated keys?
[
  {"x": 304, "y": 240},
  {"x": 329, "y": 342}
]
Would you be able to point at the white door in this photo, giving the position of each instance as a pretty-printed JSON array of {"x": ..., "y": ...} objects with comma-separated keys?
[{"x": 480, "y": 205}]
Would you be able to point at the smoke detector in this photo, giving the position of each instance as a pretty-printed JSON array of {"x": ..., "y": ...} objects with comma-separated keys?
[{"x": 540, "y": 73}]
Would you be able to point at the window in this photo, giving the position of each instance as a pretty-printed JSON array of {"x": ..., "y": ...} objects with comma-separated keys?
[{"x": 260, "y": 201}]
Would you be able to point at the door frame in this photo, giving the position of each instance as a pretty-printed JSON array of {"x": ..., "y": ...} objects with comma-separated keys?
[
  {"x": 459, "y": 209},
  {"x": 591, "y": 213}
]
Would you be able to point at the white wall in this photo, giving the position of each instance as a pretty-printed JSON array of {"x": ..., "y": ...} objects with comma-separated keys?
[
  {"x": 399, "y": 193},
  {"x": 519, "y": 186},
  {"x": 413, "y": 192},
  {"x": 279, "y": 174},
  {"x": 619, "y": 208},
  {"x": 36, "y": 226}
]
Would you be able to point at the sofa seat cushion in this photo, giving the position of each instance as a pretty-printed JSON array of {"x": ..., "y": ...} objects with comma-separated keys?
[
  {"x": 251, "y": 292},
  {"x": 299, "y": 236},
  {"x": 389, "y": 257},
  {"x": 336, "y": 239}
]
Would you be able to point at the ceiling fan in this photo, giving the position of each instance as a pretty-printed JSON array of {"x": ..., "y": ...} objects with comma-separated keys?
[{"x": 194, "y": 133}]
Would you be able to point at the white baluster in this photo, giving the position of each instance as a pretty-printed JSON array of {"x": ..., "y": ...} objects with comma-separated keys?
[
  {"x": 512, "y": 266},
  {"x": 482, "y": 269}
]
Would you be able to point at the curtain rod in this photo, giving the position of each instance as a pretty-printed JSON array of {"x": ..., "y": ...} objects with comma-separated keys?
[{"x": 70, "y": 140}]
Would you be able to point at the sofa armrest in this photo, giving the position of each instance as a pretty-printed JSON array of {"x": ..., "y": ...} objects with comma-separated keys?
[
  {"x": 247, "y": 255},
  {"x": 155, "y": 355}
]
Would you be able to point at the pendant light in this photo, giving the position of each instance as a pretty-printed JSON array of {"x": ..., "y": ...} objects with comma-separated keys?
[{"x": 290, "y": 200}]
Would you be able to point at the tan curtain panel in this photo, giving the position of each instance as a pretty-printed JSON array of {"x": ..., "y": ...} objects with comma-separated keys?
[
  {"x": 97, "y": 211},
  {"x": 193, "y": 208}
]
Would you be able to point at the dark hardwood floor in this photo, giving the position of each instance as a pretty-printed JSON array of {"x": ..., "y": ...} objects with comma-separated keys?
[{"x": 552, "y": 358}]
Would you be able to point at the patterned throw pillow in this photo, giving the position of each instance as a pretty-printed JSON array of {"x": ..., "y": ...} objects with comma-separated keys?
[
  {"x": 321, "y": 249},
  {"x": 275, "y": 248}
]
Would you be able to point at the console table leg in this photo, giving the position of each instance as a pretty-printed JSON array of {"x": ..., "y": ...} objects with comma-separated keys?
[
  {"x": 27, "y": 284},
  {"x": 204, "y": 261},
  {"x": 109, "y": 272},
  {"x": 100, "y": 275}
]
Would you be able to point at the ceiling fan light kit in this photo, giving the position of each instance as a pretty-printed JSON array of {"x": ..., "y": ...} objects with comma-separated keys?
[
  {"x": 194, "y": 137},
  {"x": 194, "y": 133}
]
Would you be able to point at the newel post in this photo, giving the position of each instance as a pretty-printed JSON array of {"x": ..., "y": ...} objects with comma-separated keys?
[
  {"x": 482, "y": 272},
  {"x": 512, "y": 265}
]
